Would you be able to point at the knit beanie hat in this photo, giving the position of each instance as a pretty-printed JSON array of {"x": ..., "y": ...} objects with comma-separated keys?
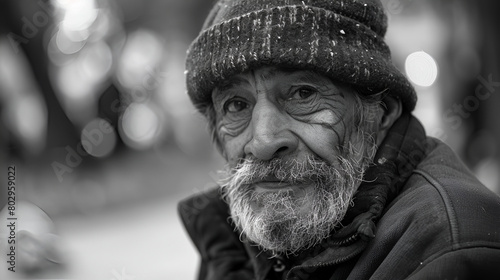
[{"x": 341, "y": 39}]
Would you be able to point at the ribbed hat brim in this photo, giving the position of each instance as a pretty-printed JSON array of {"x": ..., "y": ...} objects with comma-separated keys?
[{"x": 294, "y": 37}]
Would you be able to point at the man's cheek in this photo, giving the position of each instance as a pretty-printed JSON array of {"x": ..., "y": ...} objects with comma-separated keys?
[
  {"x": 325, "y": 117},
  {"x": 322, "y": 135},
  {"x": 234, "y": 150}
]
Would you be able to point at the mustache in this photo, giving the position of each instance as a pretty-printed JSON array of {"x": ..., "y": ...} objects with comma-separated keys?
[{"x": 252, "y": 170}]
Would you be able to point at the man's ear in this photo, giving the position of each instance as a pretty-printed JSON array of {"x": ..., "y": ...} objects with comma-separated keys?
[{"x": 392, "y": 111}]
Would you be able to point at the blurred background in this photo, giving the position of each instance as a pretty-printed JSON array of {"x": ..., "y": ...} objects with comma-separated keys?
[{"x": 94, "y": 116}]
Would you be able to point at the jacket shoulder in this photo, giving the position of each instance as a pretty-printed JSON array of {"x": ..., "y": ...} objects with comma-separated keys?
[
  {"x": 440, "y": 219},
  {"x": 472, "y": 210}
]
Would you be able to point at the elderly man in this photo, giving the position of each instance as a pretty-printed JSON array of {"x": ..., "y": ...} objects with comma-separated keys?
[{"x": 329, "y": 175}]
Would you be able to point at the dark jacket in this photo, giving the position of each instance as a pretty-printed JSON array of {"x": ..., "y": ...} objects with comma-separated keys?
[{"x": 438, "y": 222}]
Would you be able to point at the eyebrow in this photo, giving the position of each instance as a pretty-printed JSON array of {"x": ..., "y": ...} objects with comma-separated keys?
[{"x": 309, "y": 76}]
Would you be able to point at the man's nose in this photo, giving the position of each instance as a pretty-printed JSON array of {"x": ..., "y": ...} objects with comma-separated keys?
[{"x": 271, "y": 136}]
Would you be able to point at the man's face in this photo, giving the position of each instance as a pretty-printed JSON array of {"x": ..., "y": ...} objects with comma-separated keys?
[{"x": 296, "y": 154}]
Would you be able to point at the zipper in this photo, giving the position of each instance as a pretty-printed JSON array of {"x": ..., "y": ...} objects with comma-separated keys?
[{"x": 345, "y": 241}]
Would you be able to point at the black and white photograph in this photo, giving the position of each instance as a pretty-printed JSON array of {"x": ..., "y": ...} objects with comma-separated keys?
[{"x": 249, "y": 139}]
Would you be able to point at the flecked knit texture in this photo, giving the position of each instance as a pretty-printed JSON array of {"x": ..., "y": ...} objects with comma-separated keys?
[{"x": 342, "y": 39}]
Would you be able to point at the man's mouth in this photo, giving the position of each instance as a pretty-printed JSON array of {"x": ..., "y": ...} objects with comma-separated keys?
[
  {"x": 271, "y": 186},
  {"x": 272, "y": 183}
]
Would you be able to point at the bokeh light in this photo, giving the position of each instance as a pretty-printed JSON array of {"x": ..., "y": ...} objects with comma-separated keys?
[
  {"x": 31, "y": 117},
  {"x": 80, "y": 15},
  {"x": 71, "y": 82},
  {"x": 65, "y": 45},
  {"x": 421, "y": 68},
  {"x": 27, "y": 118},
  {"x": 139, "y": 126},
  {"x": 142, "y": 52},
  {"x": 96, "y": 61}
]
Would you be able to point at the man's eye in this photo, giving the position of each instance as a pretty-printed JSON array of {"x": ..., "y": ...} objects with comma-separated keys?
[
  {"x": 303, "y": 92},
  {"x": 235, "y": 106}
]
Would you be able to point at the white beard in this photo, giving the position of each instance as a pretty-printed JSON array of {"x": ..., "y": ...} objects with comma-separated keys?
[{"x": 290, "y": 220}]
